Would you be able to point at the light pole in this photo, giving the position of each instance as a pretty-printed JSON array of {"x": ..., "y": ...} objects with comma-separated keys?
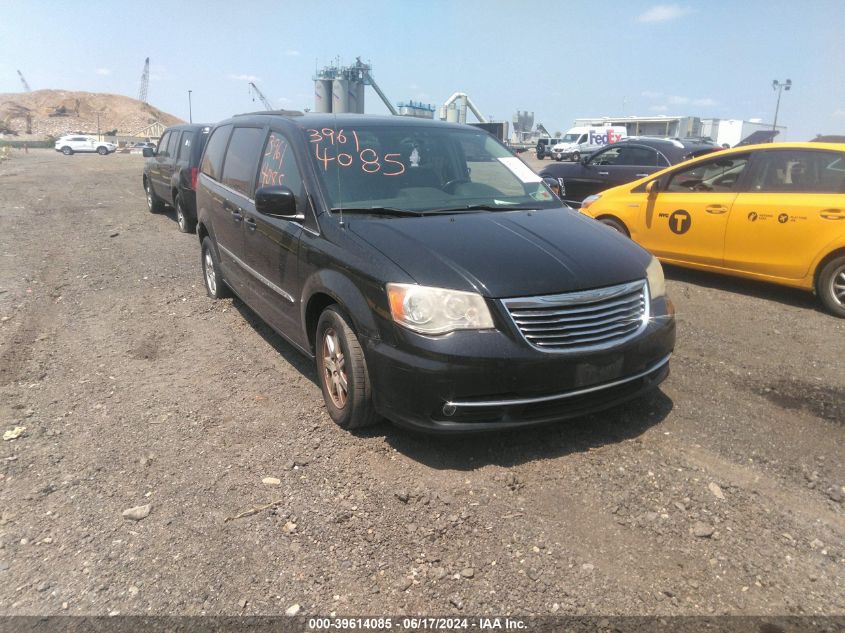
[
  {"x": 780, "y": 87},
  {"x": 190, "y": 113}
]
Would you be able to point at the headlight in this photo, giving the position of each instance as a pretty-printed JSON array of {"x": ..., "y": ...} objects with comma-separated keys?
[
  {"x": 656, "y": 281},
  {"x": 586, "y": 202},
  {"x": 437, "y": 310}
]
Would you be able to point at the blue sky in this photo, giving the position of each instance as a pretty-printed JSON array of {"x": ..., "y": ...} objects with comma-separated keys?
[{"x": 561, "y": 60}]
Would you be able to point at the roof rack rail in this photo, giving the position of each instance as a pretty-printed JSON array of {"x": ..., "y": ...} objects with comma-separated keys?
[{"x": 276, "y": 112}]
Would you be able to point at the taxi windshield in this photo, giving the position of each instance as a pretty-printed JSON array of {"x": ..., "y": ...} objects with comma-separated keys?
[{"x": 383, "y": 169}]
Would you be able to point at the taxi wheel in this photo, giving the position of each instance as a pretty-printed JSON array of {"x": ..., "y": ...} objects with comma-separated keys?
[
  {"x": 342, "y": 372},
  {"x": 616, "y": 225},
  {"x": 831, "y": 286}
]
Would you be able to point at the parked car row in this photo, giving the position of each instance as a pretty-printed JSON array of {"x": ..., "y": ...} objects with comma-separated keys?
[
  {"x": 434, "y": 277},
  {"x": 438, "y": 282}
]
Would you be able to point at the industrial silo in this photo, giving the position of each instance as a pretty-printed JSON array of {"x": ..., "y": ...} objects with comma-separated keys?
[
  {"x": 340, "y": 95},
  {"x": 323, "y": 95},
  {"x": 352, "y": 96},
  {"x": 359, "y": 91},
  {"x": 452, "y": 113}
]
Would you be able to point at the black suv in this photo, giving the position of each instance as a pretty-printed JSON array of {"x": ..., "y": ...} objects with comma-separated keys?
[
  {"x": 628, "y": 159},
  {"x": 434, "y": 277},
  {"x": 170, "y": 173},
  {"x": 544, "y": 147}
]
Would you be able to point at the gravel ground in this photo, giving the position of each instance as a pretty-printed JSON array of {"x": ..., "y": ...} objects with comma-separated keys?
[{"x": 720, "y": 494}]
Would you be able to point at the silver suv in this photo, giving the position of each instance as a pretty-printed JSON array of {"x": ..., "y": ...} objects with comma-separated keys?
[{"x": 71, "y": 144}]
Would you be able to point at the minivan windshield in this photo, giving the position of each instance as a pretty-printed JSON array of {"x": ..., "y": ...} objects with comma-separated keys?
[{"x": 434, "y": 169}]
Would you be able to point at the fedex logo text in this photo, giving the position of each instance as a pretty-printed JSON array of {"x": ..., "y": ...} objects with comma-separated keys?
[{"x": 603, "y": 139}]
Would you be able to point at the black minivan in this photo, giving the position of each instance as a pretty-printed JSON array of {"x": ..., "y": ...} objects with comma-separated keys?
[
  {"x": 170, "y": 173},
  {"x": 432, "y": 275}
]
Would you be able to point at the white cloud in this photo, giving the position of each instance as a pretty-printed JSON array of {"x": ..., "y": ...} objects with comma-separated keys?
[
  {"x": 650, "y": 94},
  {"x": 658, "y": 108},
  {"x": 251, "y": 78},
  {"x": 663, "y": 13},
  {"x": 103, "y": 71},
  {"x": 292, "y": 53},
  {"x": 840, "y": 112},
  {"x": 155, "y": 77},
  {"x": 283, "y": 101},
  {"x": 677, "y": 100},
  {"x": 706, "y": 101}
]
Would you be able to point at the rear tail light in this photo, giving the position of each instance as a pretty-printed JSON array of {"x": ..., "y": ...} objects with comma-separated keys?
[{"x": 194, "y": 178}]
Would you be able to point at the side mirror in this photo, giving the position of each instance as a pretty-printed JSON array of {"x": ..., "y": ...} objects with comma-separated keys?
[
  {"x": 653, "y": 187},
  {"x": 585, "y": 159},
  {"x": 277, "y": 202},
  {"x": 148, "y": 152}
]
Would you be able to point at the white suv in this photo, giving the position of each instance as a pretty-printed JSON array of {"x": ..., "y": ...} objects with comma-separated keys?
[{"x": 67, "y": 145}]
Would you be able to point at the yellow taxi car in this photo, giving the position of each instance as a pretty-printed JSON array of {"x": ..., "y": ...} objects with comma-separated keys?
[{"x": 773, "y": 212}]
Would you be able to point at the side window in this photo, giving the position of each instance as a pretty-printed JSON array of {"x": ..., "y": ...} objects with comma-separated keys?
[
  {"x": 212, "y": 160},
  {"x": 278, "y": 167},
  {"x": 639, "y": 156},
  {"x": 162, "y": 143},
  {"x": 609, "y": 156},
  {"x": 718, "y": 175},
  {"x": 582, "y": 139},
  {"x": 661, "y": 160},
  {"x": 173, "y": 144},
  {"x": 799, "y": 171},
  {"x": 185, "y": 145},
  {"x": 241, "y": 159}
]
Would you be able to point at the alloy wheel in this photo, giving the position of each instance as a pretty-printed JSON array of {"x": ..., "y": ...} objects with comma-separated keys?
[
  {"x": 334, "y": 368},
  {"x": 210, "y": 279},
  {"x": 837, "y": 285}
]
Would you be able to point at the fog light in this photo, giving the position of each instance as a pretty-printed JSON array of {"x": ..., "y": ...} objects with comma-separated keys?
[{"x": 449, "y": 410}]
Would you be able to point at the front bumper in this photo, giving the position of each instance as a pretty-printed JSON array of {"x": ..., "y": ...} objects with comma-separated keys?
[{"x": 480, "y": 381}]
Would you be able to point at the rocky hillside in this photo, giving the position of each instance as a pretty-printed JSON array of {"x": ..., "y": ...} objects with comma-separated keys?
[{"x": 43, "y": 113}]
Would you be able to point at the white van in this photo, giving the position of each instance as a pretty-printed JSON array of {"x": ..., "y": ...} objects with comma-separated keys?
[{"x": 585, "y": 140}]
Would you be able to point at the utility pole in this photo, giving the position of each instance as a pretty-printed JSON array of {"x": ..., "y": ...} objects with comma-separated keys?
[
  {"x": 780, "y": 87},
  {"x": 190, "y": 111}
]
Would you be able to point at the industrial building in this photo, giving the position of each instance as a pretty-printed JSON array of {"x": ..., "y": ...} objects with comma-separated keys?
[{"x": 721, "y": 131}]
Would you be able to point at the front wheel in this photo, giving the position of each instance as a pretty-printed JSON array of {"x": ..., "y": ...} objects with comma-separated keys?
[
  {"x": 214, "y": 284},
  {"x": 831, "y": 286},
  {"x": 342, "y": 371},
  {"x": 154, "y": 203},
  {"x": 67, "y": 151},
  {"x": 186, "y": 224},
  {"x": 576, "y": 157},
  {"x": 102, "y": 151},
  {"x": 616, "y": 225},
  {"x": 558, "y": 158}
]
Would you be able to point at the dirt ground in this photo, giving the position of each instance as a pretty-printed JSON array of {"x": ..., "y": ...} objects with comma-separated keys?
[{"x": 720, "y": 494}]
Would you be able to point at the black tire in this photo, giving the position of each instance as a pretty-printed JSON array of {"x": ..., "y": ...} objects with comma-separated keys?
[
  {"x": 576, "y": 156},
  {"x": 215, "y": 287},
  {"x": 185, "y": 223},
  {"x": 67, "y": 151},
  {"x": 354, "y": 410},
  {"x": 830, "y": 286},
  {"x": 540, "y": 155},
  {"x": 558, "y": 158},
  {"x": 102, "y": 151},
  {"x": 154, "y": 203},
  {"x": 616, "y": 225}
]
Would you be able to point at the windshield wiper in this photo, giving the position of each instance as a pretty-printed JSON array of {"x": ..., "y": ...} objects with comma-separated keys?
[
  {"x": 392, "y": 211},
  {"x": 482, "y": 207}
]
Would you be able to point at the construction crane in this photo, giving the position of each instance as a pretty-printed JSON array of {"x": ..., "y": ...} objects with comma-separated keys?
[
  {"x": 254, "y": 89},
  {"x": 26, "y": 87},
  {"x": 145, "y": 81}
]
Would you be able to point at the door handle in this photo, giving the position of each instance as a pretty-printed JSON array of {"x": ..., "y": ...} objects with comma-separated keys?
[
  {"x": 716, "y": 209},
  {"x": 251, "y": 224},
  {"x": 641, "y": 175},
  {"x": 604, "y": 173},
  {"x": 832, "y": 214}
]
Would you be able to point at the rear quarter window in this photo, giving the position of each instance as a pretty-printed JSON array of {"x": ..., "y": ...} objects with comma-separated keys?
[{"x": 212, "y": 160}]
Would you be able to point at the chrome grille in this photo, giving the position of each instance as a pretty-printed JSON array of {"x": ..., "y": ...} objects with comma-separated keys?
[{"x": 580, "y": 320}]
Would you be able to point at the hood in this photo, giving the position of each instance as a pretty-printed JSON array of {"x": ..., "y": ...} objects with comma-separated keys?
[{"x": 506, "y": 253}]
